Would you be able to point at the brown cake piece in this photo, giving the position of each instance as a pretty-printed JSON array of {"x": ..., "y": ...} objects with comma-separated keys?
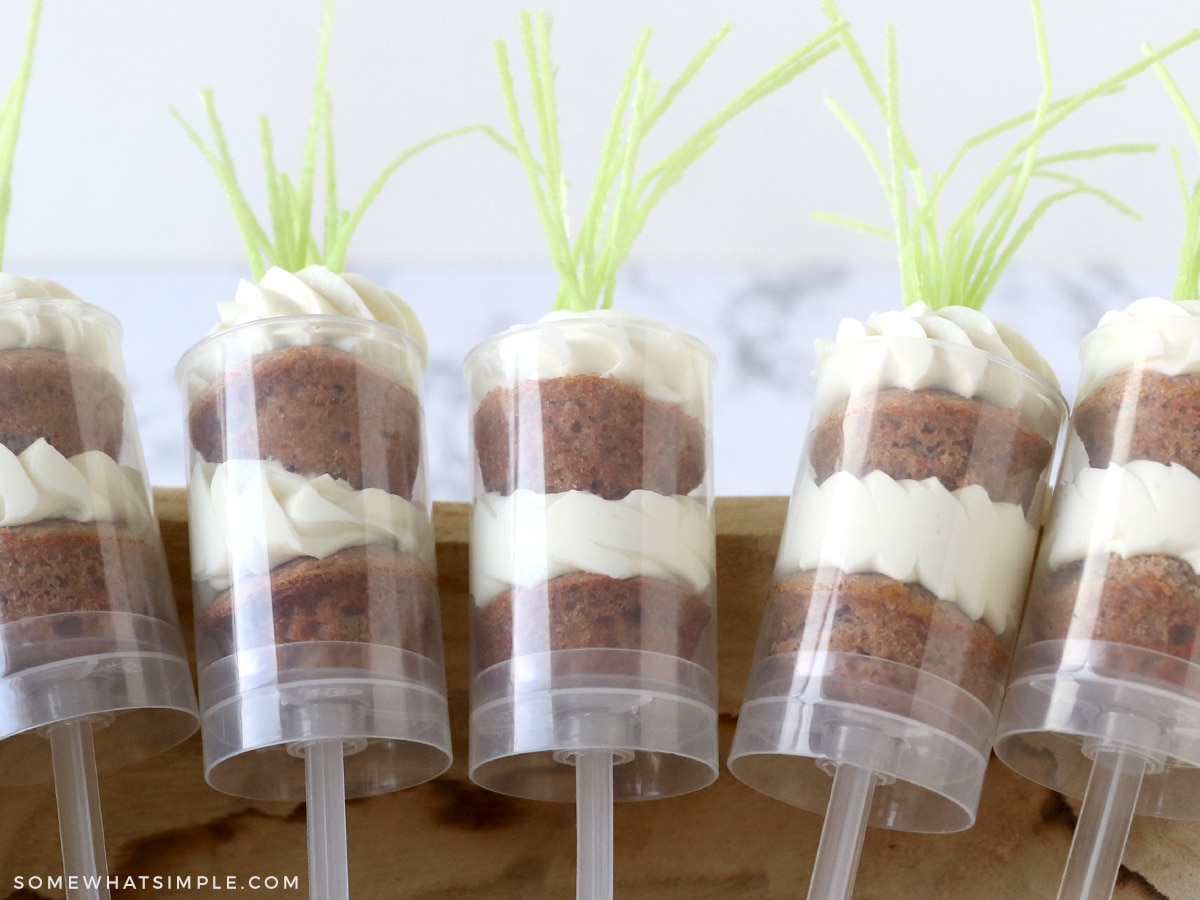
[
  {"x": 873, "y": 617},
  {"x": 581, "y": 610},
  {"x": 1150, "y": 600},
  {"x": 65, "y": 398},
  {"x": 315, "y": 410},
  {"x": 586, "y": 433},
  {"x": 372, "y": 594},
  {"x": 1138, "y": 414},
  {"x": 933, "y": 434},
  {"x": 58, "y": 566}
]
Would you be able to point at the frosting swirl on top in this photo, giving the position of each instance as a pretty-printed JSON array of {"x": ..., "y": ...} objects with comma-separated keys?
[
  {"x": 952, "y": 324},
  {"x": 667, "y": 364},
  {"x": 1159, "y": 335},
  {"x": 18, "y": 287},
  {"x": 41, "y": 313},
  {"x": 920, "y": 348},
  {"x": 316, "y": 290},
  {"x": 40, "y": 483}
]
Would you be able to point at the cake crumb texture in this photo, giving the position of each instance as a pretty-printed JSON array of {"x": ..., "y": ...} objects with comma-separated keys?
[
  {"x": 370, "y": 594},
  {"x": 1139, "y": 414},
  {"x": 586, "y": 433},
  {"x": 1150, "y": 600},
  {"x": 583, "y": 610},
  {"x": 316, "y": 410},
  {"x": 870, "y": 616},
  {"x": 933, "y": 434},
  {"x": 62, "y": 397}
]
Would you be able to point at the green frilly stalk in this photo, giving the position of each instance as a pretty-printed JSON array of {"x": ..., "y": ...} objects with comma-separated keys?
[
  {"x": 960, "y": 263},
  {"x": 1187, "y": 280},
  {"x": 10, "y": 119},
  {"x": 291, "y": 243},
  {"x": 622, "y": 196}
]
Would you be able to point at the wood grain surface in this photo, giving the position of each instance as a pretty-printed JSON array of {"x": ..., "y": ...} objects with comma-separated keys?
[{"x": 450, "y": 839}]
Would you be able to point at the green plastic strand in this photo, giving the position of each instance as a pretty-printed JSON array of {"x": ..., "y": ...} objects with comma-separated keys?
[
  {"x": 621, "y": 199},
  {"x": 962, "y": 262},
  {"x": 10, "y": 119},
  {"x": 1187, "y": 278},
  {"x": 292, "y": 243}
]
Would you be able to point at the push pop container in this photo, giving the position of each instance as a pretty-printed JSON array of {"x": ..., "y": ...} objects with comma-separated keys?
[
  {"x": 898, "y": 586},
  {"x": 93, "y": 671},
  {"x": 592, "y": 562},
  {"x": 1104, "y": 698},
  {"x": 316, "y": 606}
]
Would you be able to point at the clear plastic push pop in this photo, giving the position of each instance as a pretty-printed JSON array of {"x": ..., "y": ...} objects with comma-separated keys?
[
  {"x": 1104, "y": 697},
  {"x": 592, "y": 569},
  {"x": 317, "y": 622},
  {"x": 93, "y": 670},
  {"x": 897, "y": 590}
]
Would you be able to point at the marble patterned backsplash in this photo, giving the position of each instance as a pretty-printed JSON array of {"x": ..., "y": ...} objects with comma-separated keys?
[{"x": 760, "y": 322}]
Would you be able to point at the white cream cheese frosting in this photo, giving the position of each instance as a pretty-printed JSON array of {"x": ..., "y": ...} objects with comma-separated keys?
[
  {"x": 248, "y": 516},
  {"x": 20, "y": 287},
  {"x": 40, "y": 483},
  {"x": 668, "y": 365},
  {"x": 315, "y": 290},
  {"x": 1140, "y": 507},
  {"x": 960, "y": 545},
  {"x": 919, "y": 348},
  {"x": 1159, "y": 335},
  {"x": 41, "y": 313},
  {"x": 305, "y": 298},
  {"x": 526, "y": 538}
]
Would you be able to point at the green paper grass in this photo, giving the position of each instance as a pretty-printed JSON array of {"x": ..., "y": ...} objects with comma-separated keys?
[
  {"x": 1187, "y": 280},
  {"x": 621, "y": 197},
  {"x": 291, "y": 243},
  {"x": 10, "y": 119},
  {"x": 960, "y": 264}
]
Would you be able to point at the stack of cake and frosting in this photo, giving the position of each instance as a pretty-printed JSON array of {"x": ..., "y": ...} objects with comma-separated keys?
[
  {"x": 1120, "y": 562},
  {"x": 591, "y": 526},
  {"x": 916, "y": 511},
  {"x": 77, "y": 534},
  {"x": 308, "y": 449}
]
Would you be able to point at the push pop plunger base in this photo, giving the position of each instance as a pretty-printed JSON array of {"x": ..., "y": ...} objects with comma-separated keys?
[
  {"x": 1084, "y": 718},
  {"x": 655, "y": 712},
  {"x": 927, "y": 749},
  {"x": 388, "y": 712},
  {"x": 138, "y": 674},
  {"x": 126, "y": 700}
]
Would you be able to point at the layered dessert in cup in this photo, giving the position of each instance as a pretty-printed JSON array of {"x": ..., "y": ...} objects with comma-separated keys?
[
  {"x": 88, "y": 626},
  {"x": 903, "y": 566},
  {"x": 313, "y": 565},
  {"x": 1107, "y": 655},
  {"x": 592, "y": 556}
]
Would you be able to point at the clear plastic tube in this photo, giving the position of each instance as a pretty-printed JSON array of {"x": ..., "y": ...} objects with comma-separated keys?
[
  {"x": 593, "y": 557},
  {"x": 594, "y": 825},
  {"x": 313, "y": 564},
  {"x": 593, "y": 569},
  {"x": 899, "y": 581},
  {"x": 1103, "y": 690},
  {"x": 88, "y": 629},
  {"x": 325, "y": 777},
  {"x": 842, "y": 835},
  {"x": 80, "y": 825},
  {"x": 89, "y": 634}
]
